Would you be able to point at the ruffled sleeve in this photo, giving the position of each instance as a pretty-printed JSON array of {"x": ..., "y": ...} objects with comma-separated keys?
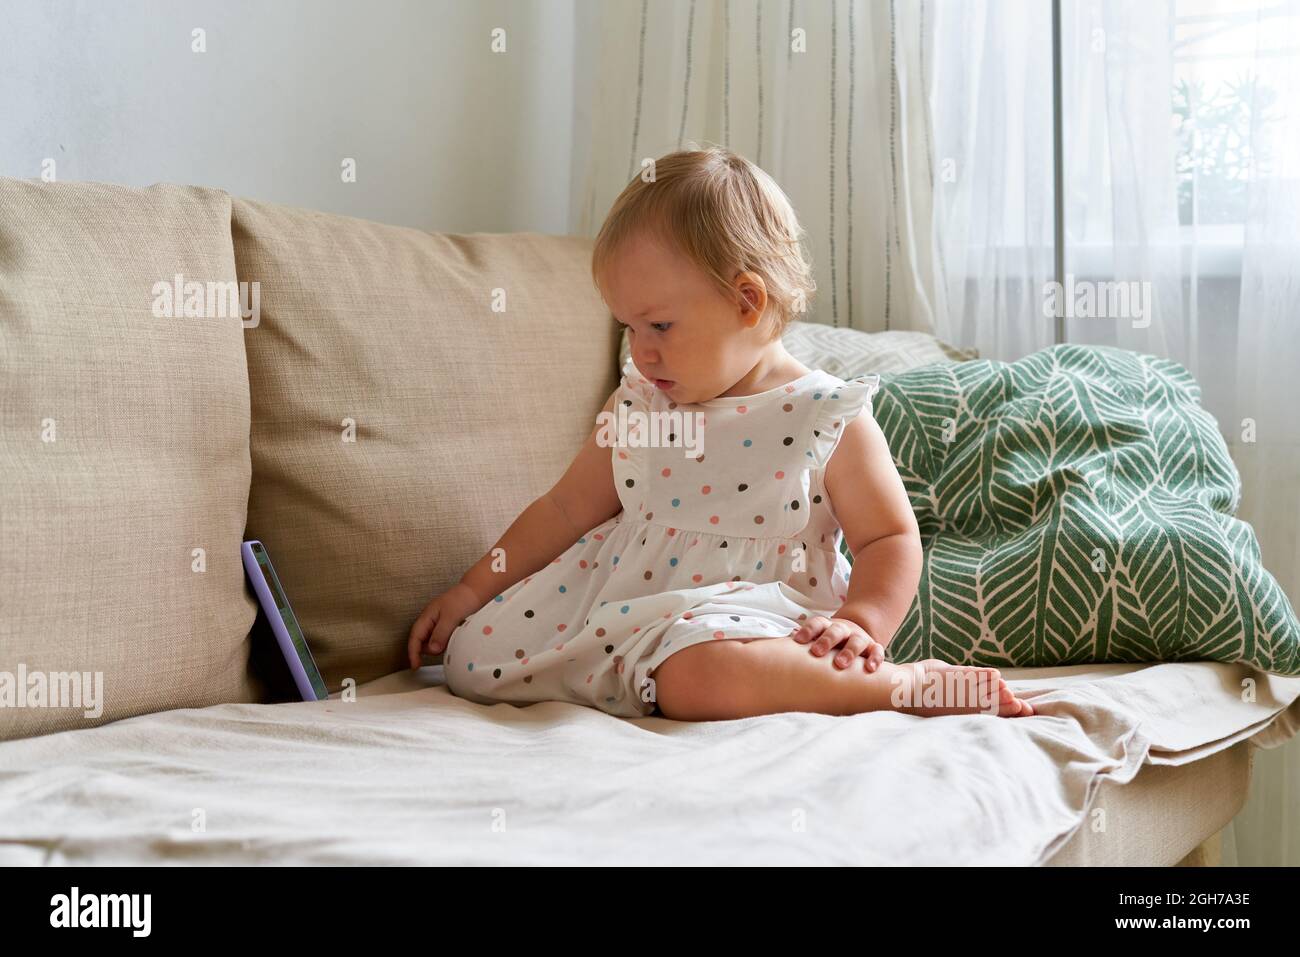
[
  {"x": 634, "y": 388},
  {"x": 837, "y": 406}
]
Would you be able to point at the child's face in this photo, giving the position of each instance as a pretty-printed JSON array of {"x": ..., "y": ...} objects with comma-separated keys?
[{"x": 685, "y": 335}]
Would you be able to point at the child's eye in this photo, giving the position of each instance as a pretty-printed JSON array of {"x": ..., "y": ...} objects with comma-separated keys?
[{"x": 655, "y": 326}]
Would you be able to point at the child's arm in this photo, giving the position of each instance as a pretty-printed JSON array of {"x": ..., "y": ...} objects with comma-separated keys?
[
  {"x": 870, "y": 502},
  {"x": 583, "y": 498}
]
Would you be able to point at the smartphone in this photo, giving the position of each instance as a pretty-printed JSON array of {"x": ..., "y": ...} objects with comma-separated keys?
[{"x": 284, "y": 623}]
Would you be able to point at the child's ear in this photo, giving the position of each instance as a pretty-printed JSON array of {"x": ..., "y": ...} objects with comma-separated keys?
[{"x": 753, "y": 293}]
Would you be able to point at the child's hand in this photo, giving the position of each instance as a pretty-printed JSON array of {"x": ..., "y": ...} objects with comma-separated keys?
[
  {"x": 431, "y": 631},
  {"x": 833, "y": 632}
]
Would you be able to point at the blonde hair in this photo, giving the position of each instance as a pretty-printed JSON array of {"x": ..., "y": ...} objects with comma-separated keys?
[{"x": 725, "y": 215}]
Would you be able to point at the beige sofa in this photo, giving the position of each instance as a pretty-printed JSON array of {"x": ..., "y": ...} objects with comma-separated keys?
[
  {"x": 389, "y": 402},
  {"x": 350, "y": 426}
]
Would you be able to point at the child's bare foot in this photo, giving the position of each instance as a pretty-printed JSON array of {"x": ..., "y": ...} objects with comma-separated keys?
[{"x": 931, "y": 687}]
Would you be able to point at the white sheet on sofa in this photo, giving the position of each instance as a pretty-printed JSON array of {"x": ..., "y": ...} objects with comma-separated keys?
[{"x": 409, "y": 774}]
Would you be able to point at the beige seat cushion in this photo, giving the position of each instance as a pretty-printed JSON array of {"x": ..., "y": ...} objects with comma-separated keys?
[
  {"x": 124, "y": 448},
  {"x": 462, "y": 415}
]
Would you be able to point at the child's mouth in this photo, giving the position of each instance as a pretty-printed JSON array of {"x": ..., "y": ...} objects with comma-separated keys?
[{"x": 664, "y": 384}]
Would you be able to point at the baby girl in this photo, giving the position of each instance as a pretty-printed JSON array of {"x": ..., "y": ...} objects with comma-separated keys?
[{"x": 688, "y": 561}]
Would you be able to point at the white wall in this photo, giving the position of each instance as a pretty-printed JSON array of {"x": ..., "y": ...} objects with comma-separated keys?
[{"x": 447, "y": 135}]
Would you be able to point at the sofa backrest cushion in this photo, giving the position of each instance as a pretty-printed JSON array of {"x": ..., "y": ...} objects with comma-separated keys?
[
  {"x": 124, "y": 453},
  {"x": 411, "y": 394}
]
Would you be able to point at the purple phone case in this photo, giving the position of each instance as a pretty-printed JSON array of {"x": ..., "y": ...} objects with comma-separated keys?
[{"x": 282, "y": 636}]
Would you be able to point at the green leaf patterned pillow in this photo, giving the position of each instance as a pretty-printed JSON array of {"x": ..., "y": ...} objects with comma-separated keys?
[{"x": 1076, "y": 506}]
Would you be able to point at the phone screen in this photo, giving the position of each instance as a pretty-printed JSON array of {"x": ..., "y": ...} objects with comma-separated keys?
[{"x": 290, "y": 622}]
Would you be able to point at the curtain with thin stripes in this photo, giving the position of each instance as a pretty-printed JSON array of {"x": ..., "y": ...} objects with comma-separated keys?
[{"x": 829, "y": 97}]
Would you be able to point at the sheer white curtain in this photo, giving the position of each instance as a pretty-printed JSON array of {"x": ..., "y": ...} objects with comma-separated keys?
[
  {"x": 993, "y": 225},
  {"x": 1267, "y": 385},
  {"x": 1182, "y": 158},
  {"x": 915, "y": 139},
  {"x": 1121, "y": 209}
]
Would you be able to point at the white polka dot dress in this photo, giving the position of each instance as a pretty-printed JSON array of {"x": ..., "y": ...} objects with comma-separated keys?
[{"x": 725, "y": 532}]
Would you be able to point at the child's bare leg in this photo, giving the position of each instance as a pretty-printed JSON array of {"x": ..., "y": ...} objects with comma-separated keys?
[{"x": 741, "y": 678}]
